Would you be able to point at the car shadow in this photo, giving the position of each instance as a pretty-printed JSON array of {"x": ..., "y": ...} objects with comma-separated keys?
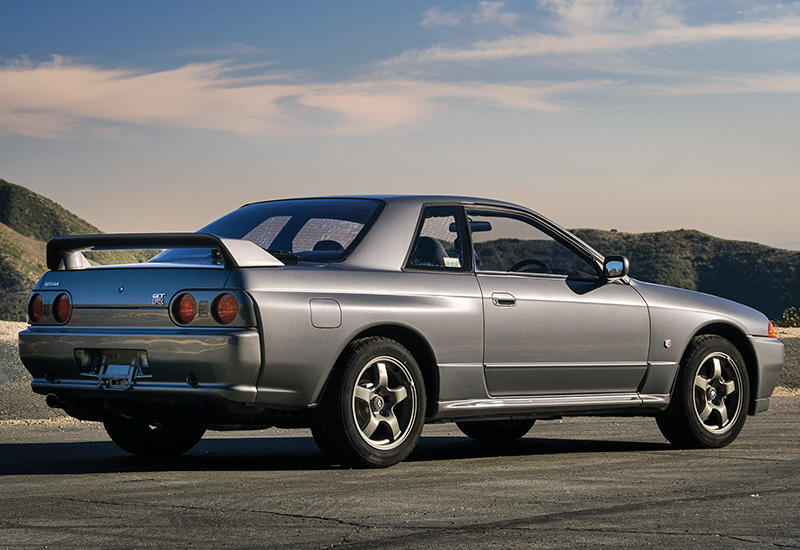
[{"x": 271, "y": 453}]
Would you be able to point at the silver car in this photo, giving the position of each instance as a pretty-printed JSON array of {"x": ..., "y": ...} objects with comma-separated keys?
[{"x": 363, "y": 318}]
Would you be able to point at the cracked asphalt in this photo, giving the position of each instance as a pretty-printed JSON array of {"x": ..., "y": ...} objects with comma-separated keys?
[{"x": 580, "y": 482}]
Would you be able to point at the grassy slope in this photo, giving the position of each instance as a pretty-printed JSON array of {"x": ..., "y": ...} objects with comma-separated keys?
[{"x": 27, "y": 221}]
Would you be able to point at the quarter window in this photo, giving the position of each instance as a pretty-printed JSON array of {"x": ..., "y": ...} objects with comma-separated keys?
[{"x": 439, "y": 245}]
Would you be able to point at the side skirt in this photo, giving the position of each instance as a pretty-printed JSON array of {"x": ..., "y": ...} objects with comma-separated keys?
[{"x": 627, "y": 404}]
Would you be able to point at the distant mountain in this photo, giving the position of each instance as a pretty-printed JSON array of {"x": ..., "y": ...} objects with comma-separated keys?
[
  {"x": 760, "y": 276},
  {"x": 27, "y": 222},
  {"x": 757, "y": 275}
]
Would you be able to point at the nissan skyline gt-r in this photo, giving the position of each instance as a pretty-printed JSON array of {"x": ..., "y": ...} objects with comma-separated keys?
[{"x": 363, "y": 318}]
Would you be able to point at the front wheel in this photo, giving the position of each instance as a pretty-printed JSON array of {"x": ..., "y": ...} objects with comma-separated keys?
[
  {"x": 497, "y": 431},
  {"x": 373, "y": 410},
  {"x": 143, "y": 439},
  {"x": 709, "y": 403}
]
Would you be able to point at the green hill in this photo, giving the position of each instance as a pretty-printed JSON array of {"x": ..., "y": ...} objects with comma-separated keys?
[
  {"x": 27, "y": 222},
  {"x": 760, "y": 276}
]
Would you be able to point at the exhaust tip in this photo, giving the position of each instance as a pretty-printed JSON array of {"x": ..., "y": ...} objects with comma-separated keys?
[{"x": 52, "y": 400}]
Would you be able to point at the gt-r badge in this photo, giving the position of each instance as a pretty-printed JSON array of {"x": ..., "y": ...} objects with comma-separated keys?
[{"x": 158, "y": 299}]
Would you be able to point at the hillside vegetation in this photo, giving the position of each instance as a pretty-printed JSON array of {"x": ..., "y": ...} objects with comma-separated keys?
[
  {"x": 27, "y": 222},
  {"x": 760, "y": 276}
]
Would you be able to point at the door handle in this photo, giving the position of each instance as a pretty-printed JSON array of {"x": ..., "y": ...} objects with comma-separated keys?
[{"x": 503, "y": 299}]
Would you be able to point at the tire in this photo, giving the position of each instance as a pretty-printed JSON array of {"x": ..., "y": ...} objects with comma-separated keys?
[
  {"x": 709, "y": 403},
  {"x": 496, "y": 431},
  {"x": 373, "y": 409},
  {"x": 142, "y": 439}
]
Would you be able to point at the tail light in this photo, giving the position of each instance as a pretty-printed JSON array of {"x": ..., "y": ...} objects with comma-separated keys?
[
  {"x": 62, "y": 308},
  {"x": 35, "y": 308},
  {"x": 771, "y": 331},
  {"x": 225, "y": 308},
  {"x": 185, "y": 308}
]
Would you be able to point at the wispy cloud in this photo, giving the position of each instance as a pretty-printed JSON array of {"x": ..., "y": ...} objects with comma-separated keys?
[
  {"x": 733, "y": 84},
  {"x": 485, "y": 12},
  {"x": 229, "y": 49},
  {"x": 606, "y": 26},
  {"x": 59, "y": 97},
  {"x": 437, "y": 17},
  {"x": 533, "y": 45}
]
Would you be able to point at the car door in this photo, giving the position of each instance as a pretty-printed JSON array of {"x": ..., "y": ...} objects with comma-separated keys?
[{"x": 552, "y": 324}]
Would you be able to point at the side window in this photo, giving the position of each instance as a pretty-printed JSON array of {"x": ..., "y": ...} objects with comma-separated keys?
[
  {"x": 507, "y": 242},
  {"x": 439, "y": 245}
]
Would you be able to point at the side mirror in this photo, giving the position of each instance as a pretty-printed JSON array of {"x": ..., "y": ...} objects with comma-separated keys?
[{"x": 615, "y": 267}]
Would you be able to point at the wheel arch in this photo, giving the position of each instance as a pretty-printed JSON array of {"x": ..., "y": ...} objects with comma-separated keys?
[
  {"x": 740, "y": 341},
  {"x": 418, "y": 346}
]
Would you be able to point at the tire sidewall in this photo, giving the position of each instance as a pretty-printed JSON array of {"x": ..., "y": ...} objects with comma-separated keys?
[
  {"x": 368, "y": 453},
  {"x": 692, "y": 364}
]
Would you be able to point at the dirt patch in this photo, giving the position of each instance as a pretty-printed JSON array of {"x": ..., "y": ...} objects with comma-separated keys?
[{"x": 17, "y": 401}]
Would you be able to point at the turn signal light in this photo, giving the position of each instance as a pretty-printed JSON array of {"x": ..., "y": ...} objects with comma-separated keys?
[
  {"x": 62, "y": 308},
  {"x": 771, "y": 331},
  {"x": 35, "y": 308},
  {"x": 185, "y": 308}
]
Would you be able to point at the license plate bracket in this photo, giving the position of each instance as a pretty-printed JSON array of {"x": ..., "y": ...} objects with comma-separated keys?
[{"x": 119, "y": 369}]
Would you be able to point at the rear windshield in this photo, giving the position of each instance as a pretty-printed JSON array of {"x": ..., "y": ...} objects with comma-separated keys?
[{"x": 324, "y": 230}]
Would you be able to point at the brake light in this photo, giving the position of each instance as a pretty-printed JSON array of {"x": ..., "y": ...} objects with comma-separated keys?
[
  {"x": 62, "y": 308},
  {"x": 225, "y": 308},
  {"x": 185, "y": 308},
  {"x": 35, "y": 308},
  {"x": 771, "y": 331}
]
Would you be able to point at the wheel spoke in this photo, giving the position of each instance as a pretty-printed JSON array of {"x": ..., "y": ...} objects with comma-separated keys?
[
  {"x": 717, "y": 369},
  {"x": 398, "y": 394},
  {"x": 727, "y": 388},
  {"x": 364, "y": 394},
  {"x": 706, "y": 412},
  {"x": 383, "y": 377},
  {"x": 391, "y": 421},
  {"x": 371, "y": 426},
  {"x": 723, "y": 415},
  {"x": 700, "y": 382}
]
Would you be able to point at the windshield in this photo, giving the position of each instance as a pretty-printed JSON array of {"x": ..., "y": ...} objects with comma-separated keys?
[{"x": 324, "y": 230}]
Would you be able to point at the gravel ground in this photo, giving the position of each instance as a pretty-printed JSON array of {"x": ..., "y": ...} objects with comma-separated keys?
[{"x": 17, "y": 402}]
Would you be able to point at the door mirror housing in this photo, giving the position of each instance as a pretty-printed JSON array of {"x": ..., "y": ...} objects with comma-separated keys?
[{"x": 615, "y": 267}]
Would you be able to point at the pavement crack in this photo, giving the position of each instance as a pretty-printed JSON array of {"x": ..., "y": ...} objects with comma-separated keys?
[{"x": 211, "y": 509}]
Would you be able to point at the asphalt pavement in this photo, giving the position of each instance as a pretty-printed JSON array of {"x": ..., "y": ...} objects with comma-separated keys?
[{"x": 575, "y": 483}]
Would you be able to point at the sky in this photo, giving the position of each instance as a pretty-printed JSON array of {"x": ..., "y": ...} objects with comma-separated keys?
[{"x": 635, "y": 115}]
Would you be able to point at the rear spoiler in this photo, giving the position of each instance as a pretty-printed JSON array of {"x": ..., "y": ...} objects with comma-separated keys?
[{"x": 66, "y": 253}]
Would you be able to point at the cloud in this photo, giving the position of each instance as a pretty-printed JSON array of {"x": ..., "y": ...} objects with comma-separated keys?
[
  {"x": 606, "y": 26},
  {"x": 493, "y": 12},
  {"x": 487, "y": 12},
  {"x": 436, "y": 17},
  {"x": 58, "y": 98},
  {"x": 733, "y": 84},
  {"x": 230, "y": 49}
]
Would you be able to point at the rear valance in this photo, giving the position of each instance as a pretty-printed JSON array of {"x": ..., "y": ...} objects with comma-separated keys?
[{"x": 66, "y": 253}]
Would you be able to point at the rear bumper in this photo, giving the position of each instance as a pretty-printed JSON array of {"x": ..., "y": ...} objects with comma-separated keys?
[{"x": 183, "y": 364}]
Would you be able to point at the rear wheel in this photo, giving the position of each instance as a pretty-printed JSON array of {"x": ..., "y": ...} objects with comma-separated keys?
[
  {"x": 709, "y": 404},
  {"x": 373, "y": 410},
  {"x": 495, "y": 430},
  {"x": 143, "y": 439}
]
